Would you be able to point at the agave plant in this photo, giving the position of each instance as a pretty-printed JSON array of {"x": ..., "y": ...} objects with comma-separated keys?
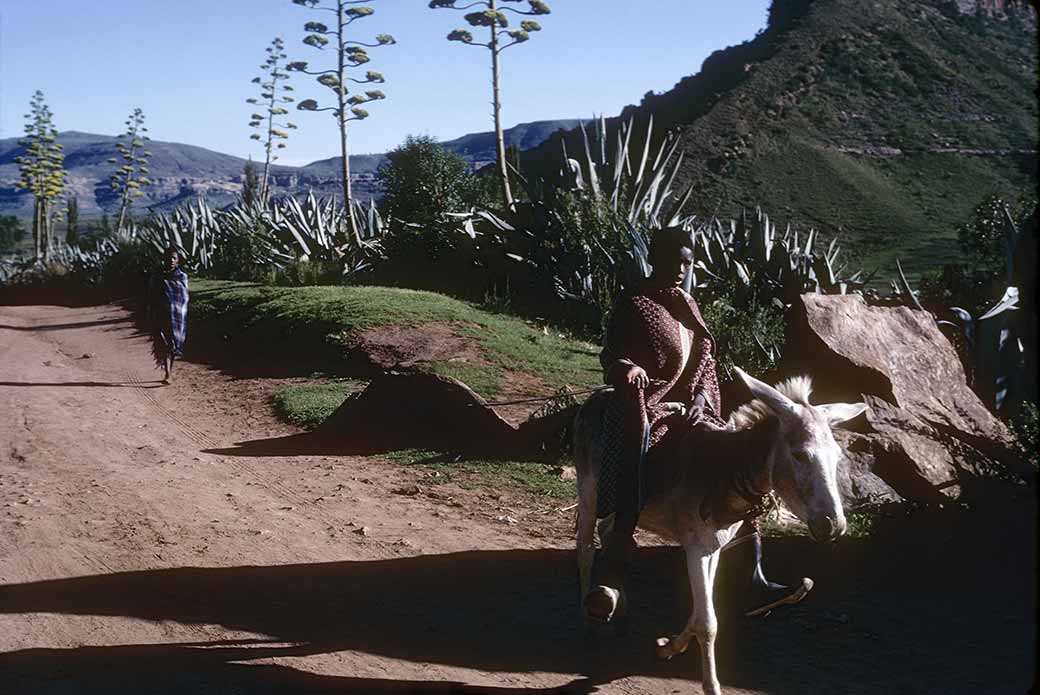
[
  {"x": 194, "y": 228},
  {"x": 996, "y": 354},
  {"x": 640, "y": 192},
  {"x": 634, "y": 184},
  {"x": 620, "y": 194},
  {"x": 278, "y": 232},
  {"x": 752, "y": 256}
]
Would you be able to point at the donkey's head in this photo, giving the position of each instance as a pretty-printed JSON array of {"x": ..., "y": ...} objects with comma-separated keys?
[{"x": 805, "y": 458}]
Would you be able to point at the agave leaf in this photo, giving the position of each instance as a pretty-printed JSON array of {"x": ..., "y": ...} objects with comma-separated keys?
[
  {"x": 1009, "y": 302},
  {"x": 593, "y": 178},
  {"x": 905, "y": 286}
]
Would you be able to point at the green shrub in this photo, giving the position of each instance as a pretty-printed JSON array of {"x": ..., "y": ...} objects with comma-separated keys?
[
  {"x": 304, "y": 272},
  {"x": 11, "y": 232},
  {"x": 422, "y": 182},
  {"x": 738, "y": 329},
  {"x": 241, "y": 255}
]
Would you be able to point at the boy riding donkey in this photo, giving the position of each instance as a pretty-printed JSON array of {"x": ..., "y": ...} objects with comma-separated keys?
[{"x": 658, "y": 356}]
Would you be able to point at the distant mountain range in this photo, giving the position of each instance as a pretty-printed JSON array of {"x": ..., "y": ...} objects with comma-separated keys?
[{"x": 183, "y": 172}]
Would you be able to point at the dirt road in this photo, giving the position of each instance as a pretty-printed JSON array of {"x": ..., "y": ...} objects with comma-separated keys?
[{"x": 140, "y": 554}]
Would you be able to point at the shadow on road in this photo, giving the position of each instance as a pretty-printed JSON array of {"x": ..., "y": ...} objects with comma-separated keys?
[
  {"x": 66, "y": 326},
  {"x": 889, "y": 619},
  {"x": 109, "y": 384},
  {"x": 303, "y": 444},
  {"x": 216, "y": 668}
]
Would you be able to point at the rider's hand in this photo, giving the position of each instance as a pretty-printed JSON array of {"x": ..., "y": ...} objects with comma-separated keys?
[
  {"x": 694, "y": 414},
  {"x": 636, "y": 376}
]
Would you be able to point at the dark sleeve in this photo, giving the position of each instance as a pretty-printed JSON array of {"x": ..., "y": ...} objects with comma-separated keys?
[{"x": 616, "y": 357}]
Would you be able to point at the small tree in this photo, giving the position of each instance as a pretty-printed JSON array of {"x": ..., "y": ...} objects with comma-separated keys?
[
  {"x": 129, "y": 178},
  {"x": 421, "y": 182},
  {"x": 493, "y": 17},
  {"x": 11, "y": 232},
  {"x": 72, "y": 221},
  {"x": 250, "y": 183},
  {"x": 272, "y": 97},
  {"x": 42, "y": 171},
  {"x": 349, "y": 55}
]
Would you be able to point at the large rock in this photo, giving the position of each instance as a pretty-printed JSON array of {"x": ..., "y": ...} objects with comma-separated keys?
[
  {"x": 858, "y": 482},
  {"x": 927, "y": 429},
  {"x": 416, "y": 410}
]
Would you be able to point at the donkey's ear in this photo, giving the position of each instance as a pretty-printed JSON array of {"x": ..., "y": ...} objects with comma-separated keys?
[
  {"x": 780, "y": 403},
  {"x": 837, "y": 413}
]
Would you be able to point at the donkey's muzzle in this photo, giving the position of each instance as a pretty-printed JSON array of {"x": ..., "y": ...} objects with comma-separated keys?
[{"x": 825, "y": 528}]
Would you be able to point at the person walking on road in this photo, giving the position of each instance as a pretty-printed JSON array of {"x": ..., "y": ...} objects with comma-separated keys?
[{"x": 168, "y": 311}]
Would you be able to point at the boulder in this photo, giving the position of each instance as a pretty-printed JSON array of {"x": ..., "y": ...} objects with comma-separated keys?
[
  {"x": 857, "y": 480},
  {"x": 416, "y": 410},
  {"x": 925, "y": 427}
]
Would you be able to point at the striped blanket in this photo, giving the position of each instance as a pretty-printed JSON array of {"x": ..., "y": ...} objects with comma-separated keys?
[{"x": 169, "y": 312}]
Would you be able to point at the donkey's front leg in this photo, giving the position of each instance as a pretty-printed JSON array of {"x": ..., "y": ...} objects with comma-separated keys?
[{"x": 702, "y": 624}]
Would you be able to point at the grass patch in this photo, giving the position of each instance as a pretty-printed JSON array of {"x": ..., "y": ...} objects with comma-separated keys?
[
  {"x": 860, "y": 525},
  {"x": 310, "y": 320},
  {"x": 309, "y": 405},
  {"x": 535, "y": 478},
  {"x": 484, "y": 379}
]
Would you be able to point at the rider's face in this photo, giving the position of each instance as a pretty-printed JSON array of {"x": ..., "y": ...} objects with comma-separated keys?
[{"x": 673, "y": 266}]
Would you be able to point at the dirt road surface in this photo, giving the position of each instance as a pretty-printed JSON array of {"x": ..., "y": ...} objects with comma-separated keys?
[{"x": 139, "y": 553}]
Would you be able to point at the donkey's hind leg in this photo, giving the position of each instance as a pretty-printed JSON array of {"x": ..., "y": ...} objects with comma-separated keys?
[{"x": 585, "y": 536}]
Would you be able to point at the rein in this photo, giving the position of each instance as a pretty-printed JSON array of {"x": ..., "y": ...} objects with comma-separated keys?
[
  {"x": 554, "y": 396},
  {"x": 539, "y": 399},
  {"x": 761, "y": 501}
]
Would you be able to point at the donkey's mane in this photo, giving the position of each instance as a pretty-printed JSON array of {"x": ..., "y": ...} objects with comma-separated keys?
[{"x": 798, "y": 389}]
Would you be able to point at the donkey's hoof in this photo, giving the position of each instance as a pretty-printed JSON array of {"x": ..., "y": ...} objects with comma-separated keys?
[
  {"x": 667, "y": 648},
  {"x": 601, "y": 603}
]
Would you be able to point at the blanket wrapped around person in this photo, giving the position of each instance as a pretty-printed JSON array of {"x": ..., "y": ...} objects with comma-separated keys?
[
  {"x": 663, "y": 332},
  {"x": 168, "y": 311}
]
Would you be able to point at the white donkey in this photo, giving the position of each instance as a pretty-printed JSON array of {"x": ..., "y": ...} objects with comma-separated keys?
[{"x": 799, "y": 463}]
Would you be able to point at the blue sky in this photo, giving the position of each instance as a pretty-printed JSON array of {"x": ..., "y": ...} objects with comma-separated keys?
[{"x": 188, "y": 65}]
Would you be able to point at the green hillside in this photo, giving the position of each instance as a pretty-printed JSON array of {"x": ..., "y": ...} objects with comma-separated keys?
[{"x": 882, "y": 122}]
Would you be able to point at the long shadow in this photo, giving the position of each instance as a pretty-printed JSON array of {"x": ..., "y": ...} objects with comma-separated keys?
[
  {"x": 72, "y": 295},
  {"x": 212, "y": 667},
  {"x": 303, "y": 444},
  {"x": 490, "y": 610},
  {"x": 66, "y": 326},
  {"x": 325, "y": 444},
  {"x": 106, "y": 384},
  {"x": 868, "y": 627}
]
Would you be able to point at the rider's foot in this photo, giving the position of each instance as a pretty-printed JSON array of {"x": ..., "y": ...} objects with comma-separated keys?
[
  {"x": 601, "y": 603},
  {"x": 766, "y": 597}
]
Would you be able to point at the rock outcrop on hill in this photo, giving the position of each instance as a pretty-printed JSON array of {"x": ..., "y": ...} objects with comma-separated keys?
[{"x": 925, "y": 433}]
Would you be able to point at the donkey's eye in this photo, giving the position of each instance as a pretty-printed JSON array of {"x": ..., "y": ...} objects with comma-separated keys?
[{"x": 801, "y": 457}]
